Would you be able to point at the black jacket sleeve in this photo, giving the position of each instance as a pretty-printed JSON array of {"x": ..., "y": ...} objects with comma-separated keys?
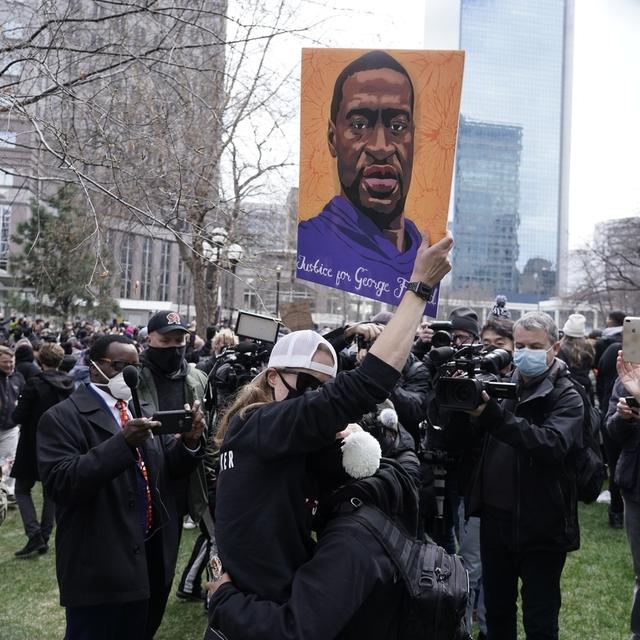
[
  {"x": 548, "y": 442},
  {"x": 625, "y": 432},
  {"x": 70, "y": 474},
  {"x": 309, "y": 422}
]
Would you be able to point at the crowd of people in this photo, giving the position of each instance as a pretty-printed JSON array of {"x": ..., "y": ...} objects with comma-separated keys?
[{"x": 259, "y": 464}]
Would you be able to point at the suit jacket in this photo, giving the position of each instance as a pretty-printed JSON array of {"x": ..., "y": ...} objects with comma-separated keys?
[{"x": 90, "y": 472}]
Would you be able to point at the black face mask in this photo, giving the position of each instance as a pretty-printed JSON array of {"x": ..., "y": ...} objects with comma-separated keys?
[
  {"x": 167, "y": 359},
  {"x": 304, "y": 382}
]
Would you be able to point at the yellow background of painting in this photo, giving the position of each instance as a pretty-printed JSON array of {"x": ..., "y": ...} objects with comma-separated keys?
[{"x": 437, "y": 82}]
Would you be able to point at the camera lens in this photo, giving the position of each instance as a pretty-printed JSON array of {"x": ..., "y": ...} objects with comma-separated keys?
[{"x": 495, "y": 360}]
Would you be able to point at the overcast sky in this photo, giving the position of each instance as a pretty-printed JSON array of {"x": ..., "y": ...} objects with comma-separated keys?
[{"x": 605, "y": 141}]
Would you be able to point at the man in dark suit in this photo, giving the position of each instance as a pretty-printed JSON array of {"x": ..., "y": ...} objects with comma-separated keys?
[{"x": 112, "y": 483}]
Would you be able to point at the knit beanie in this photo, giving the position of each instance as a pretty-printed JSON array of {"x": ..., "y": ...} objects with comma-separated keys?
[
  {"x": 574, "y": 327},
  {"x": 465, "y": 319}
]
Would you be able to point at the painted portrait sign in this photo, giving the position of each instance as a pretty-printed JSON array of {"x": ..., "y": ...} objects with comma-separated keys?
[{"x": 378, "y": 138}]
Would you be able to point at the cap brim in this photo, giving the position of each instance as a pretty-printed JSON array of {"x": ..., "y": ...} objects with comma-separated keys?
[{"x": 169, "y": 328}]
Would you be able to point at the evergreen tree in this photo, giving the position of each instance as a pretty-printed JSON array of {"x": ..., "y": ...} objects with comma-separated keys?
[{"x": 57, "y": 267}]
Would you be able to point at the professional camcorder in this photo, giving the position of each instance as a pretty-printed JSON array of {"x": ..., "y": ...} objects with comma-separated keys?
[
  {"x": 239, "y": 364},
  {"x": 442, "y": 336},
  {"x": 464, "y": 374}
]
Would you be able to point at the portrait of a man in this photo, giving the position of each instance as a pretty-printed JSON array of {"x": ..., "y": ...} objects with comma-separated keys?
[{"x": 362, "y": 240}]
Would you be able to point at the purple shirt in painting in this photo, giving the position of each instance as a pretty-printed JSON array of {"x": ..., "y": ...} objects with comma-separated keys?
[{"x": 343, "y": 248}]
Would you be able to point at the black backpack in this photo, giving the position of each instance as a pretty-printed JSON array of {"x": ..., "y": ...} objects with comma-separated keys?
[
  {"x": 437, "y": 584},
  {"x": 587, "y": 459}
]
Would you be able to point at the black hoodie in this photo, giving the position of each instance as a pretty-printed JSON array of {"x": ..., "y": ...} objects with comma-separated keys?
[
  {"x": 41, "y": 392},
  {"x": 349, "y": 590}
]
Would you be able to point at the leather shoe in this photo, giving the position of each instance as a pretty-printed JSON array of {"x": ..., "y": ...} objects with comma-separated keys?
[{"x": 35, "y": 545}]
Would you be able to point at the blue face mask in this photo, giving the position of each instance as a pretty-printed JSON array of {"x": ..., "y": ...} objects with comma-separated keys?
[{"x": 531, "y": 362}]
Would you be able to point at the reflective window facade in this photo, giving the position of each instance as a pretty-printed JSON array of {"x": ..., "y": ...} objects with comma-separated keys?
[
  {"x": 487, "y": 190},
  {"x": 515, "y": 52}
]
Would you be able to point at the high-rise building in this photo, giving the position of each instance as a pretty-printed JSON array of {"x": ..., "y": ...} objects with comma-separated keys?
[
  {"x": 488, "y": 190},
  {"x": 517, "y": 74}
]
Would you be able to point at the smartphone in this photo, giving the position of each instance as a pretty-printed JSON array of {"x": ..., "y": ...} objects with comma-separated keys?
[
  {"x": 178, "y": 421},
  {"x": 632, "y": 402},
  {"x": 631, "y": 340}
]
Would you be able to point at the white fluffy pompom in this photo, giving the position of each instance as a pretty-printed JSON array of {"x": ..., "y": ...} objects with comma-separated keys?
[{"x": 361, "y": 454}]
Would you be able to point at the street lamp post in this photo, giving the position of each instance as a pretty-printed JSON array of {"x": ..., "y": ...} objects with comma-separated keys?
[
  {"x": 234, "y": 255},
  {"x": 278, "y": 273}
]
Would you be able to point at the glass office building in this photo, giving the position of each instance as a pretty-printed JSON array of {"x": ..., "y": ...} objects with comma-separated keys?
[
  {"x": 516, "y": 90},
  {"x": 487, "y": 198}
]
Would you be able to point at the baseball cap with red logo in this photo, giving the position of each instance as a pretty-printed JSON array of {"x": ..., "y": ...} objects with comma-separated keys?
[{"x": 165, "y": 321}]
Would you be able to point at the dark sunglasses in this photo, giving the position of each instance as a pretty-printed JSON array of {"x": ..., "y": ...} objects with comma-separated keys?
[
  {"x": 119, "y": 365},
  {"x": 304, "y": 381}
]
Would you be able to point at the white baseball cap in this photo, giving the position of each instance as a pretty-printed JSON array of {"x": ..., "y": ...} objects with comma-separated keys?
[{"x": 296, "y": 350}]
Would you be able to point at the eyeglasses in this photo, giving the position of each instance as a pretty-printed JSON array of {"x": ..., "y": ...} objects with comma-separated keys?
[
  {"x": 119, "y": 365},
  {"x": 304, "y": 381}
]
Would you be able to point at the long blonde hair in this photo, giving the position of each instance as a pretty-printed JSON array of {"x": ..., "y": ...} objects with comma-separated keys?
[{"x": 254, "y": 394}]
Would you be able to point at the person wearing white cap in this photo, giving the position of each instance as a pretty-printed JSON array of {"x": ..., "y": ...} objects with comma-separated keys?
[
  {"x": 299, "y": 405},
  {"x": 576, "y": 351}
]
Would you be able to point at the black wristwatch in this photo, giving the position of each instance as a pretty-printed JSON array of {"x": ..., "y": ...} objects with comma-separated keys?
[{"x": 421, "y": 289}]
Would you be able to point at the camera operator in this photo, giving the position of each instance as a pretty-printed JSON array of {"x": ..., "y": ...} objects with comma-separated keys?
[
  {"x": 221, "y": 340},
  {"x": 439, "y": 456},
  {"x": 522, "y": 486},
  {"x": 497, "y": 333}
]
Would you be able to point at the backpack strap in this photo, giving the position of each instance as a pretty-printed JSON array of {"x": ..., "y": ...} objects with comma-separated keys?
[{"x": 400, "y": 547}]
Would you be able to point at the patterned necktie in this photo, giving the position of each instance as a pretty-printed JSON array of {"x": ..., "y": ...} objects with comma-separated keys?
[{"x": 121, "y": 405}]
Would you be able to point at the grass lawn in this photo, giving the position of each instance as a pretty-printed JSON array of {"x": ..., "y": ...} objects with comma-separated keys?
[{"x": 596, "y": 588}]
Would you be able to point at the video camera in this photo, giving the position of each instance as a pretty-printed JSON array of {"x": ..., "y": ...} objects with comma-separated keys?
[
  {"x": 464, "y": 374},
  {"x": 239, "y": 364},
  {"x": 441, "y": 334}
]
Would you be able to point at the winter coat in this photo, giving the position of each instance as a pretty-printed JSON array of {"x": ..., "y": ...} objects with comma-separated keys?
[
  {"x": 92, "y": 476},
  {"x": 410, "y": 394},
  {"x": 348, "y": 590},
  {"x": 544, "y": 427},
  {"x": 10, "y": 389},
  {"x": 40, "y": 393},
  {"x": 627, "y": 434}
]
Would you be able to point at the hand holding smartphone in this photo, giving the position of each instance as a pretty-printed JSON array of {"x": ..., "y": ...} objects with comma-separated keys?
[{"x": 178, "y": 421}]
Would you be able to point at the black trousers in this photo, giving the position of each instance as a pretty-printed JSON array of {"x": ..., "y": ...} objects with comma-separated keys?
[
  {"x": 539, "y": 571},
  {"x": 126, "y": 621},
  {"x": 159, "y": 588},
  {"x": 612, "y": 452}
]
